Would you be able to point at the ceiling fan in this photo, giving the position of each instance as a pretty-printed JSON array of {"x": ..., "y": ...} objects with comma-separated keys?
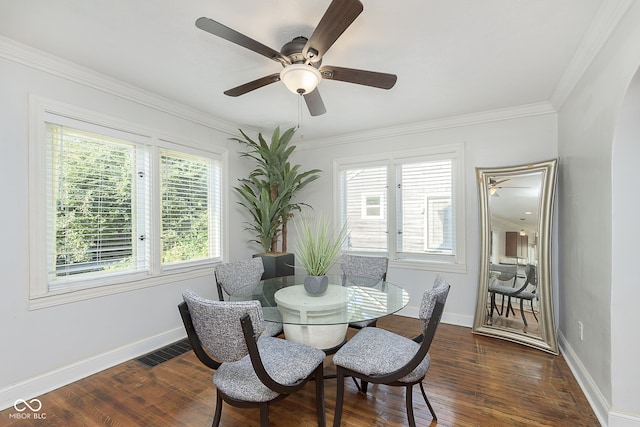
[
  {"x": 302, "y": 57},
  {"x": 494, "y": 186}
]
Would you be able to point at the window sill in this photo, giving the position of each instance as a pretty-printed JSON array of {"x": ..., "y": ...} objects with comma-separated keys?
[
  {"x": 52, "y": 299},
  {"x": 444, "y": 267}
]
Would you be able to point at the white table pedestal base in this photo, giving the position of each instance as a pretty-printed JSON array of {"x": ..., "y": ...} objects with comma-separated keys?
[
  {"x": 316, "y": 320},
  {"x": 320, "y": 336}
]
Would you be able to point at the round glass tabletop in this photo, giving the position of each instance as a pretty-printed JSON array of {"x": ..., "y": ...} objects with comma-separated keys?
[{"x": 284, "y": 299}]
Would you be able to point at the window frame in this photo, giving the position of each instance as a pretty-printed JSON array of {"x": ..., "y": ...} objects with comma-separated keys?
[
  {"x": 452, "y": 263},
  {"x": 40, "y": 294}
]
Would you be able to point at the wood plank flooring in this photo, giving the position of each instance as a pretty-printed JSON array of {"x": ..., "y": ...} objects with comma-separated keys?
[{"x": 473, "y": 381}]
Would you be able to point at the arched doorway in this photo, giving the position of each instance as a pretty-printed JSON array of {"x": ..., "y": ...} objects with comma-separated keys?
[{"x": 625, "y": 254}]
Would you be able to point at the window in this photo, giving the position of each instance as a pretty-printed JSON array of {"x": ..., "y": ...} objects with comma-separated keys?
[
  {"x": 117, "y": 209},
  {"x": 407, "y": 205},
  {"x": 92, "y": 229},
  {"x": 187, "y": 206},
  {"x": 367, "y": 232}
]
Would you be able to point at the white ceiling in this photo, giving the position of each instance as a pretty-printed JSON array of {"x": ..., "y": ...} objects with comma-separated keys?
[{"x": 452, "y": 57}]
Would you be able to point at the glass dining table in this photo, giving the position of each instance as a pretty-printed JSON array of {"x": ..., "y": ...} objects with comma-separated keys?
[{"x": 322, "y": 320}]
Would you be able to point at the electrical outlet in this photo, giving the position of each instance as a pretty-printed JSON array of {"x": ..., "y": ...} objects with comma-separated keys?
[{"x": 580, "y": 329}]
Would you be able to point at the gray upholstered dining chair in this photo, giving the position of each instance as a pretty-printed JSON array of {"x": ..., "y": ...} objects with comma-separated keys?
[
  {"x": 375, "y": 355},
  {"x": 251, "y": 370},
  {"x": 231, "y": 277},
  {"x": 363, "y": 271},
  {"x": 503, "y": 279},
  {"x": 527, "y": 291}
]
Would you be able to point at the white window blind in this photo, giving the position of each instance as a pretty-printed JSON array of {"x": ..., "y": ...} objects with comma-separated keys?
[
  {"x": 190, "y": 193},
  {"x": 94, "y": 198},
  {"x": 364, "y": 207},
  {"x": 425, "y": 208}
]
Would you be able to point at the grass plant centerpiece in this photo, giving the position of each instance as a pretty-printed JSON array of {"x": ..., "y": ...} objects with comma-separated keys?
[{"x": 317, "y": 246}]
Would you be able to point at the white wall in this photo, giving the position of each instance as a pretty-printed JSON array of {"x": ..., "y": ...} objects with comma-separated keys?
[
  {"x": 506, "y": 142},
  {"x": 596, "y": 191},
  {"x": 42, "y": 349}
]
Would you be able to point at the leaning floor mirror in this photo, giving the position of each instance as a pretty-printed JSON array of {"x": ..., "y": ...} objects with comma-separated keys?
[{"x": 514, "y": 288}]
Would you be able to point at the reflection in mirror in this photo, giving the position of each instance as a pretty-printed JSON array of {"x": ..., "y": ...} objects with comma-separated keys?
[{"x": 514, "y": 292}]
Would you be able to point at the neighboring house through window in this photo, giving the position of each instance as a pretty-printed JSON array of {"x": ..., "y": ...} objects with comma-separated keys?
[{"x": 405, "y": 205}]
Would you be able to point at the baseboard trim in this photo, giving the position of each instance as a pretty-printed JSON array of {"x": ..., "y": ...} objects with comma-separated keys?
[
  {"x": 57, "y": 378},
  {"x": 595, "y": 398}
]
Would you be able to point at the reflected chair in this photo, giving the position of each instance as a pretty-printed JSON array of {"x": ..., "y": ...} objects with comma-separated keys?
[
  {"x": 251, "y": 370},
  {"x": 503, "y": 278},
  {"x": 232, "y": 277},
  {"x": 375, "y": 355},
  {"x": 363, "y": 271},
  {"x": 528, "y": 291}
]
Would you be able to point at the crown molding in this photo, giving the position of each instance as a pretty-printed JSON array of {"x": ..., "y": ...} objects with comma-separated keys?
[
  {"x": 37, "y": 59},
  {"x": 489, "y": 116},
  {"x": 604, "y": 23}
]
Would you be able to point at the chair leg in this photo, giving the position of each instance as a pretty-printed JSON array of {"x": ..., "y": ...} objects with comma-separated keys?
[
  {"x": 509, "y": 306},
  {"x": 493, "y": 304},
  {"x": 264, "y": 415},
  {"x": 339, "y": 397},
  {"x": 409, "y": 403},
  {"x": 320, "y": 409},
  {"x": 433, "y": 413},
  {"x": 533, "y": 311},
  {"x": 522, "y": 311},
  {"x": 216, "y": 417}
]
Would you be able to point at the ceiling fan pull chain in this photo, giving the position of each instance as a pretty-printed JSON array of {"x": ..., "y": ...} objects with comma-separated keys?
[{"x": 300, "y": 122}]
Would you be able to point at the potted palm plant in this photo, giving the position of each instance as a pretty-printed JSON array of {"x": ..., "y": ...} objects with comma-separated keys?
[
  {"x": 317, "y": 246},
  {"x": 268, "y": 193}
]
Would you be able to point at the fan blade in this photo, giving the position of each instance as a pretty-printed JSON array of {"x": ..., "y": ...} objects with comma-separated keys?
[
  {"x": 499, "y": 181},
  {"x": 339, "y": 15},
  {"x": 360, "y": 77},
  {"x": 314, "y": 103},
  {"x": 256, "y": 84},
  {"x": 217, "y": 29}
]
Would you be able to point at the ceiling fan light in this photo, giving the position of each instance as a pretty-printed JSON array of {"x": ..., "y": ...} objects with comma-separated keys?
[{"x": 300, "y": 78}]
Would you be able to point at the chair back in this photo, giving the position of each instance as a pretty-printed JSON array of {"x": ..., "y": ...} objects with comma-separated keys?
[
  {"x": 506, "y": 272},
  {"x": 531, "y": 279},
  {"x": 530, "y": 272},
  {"x": 194, "y": 341},
  {"x": 438, "y": 293},
  {"x": 217, "y": 325},
  {"x": 363, "y": 270},
  {"x": 232, "y": 276}
]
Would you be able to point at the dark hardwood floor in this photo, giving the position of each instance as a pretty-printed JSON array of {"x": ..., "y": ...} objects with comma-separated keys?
[{"x": 473, "y": 381}]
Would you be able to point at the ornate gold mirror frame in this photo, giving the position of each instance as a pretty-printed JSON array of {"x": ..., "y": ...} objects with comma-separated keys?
[{"x": 516, "y": 207}]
